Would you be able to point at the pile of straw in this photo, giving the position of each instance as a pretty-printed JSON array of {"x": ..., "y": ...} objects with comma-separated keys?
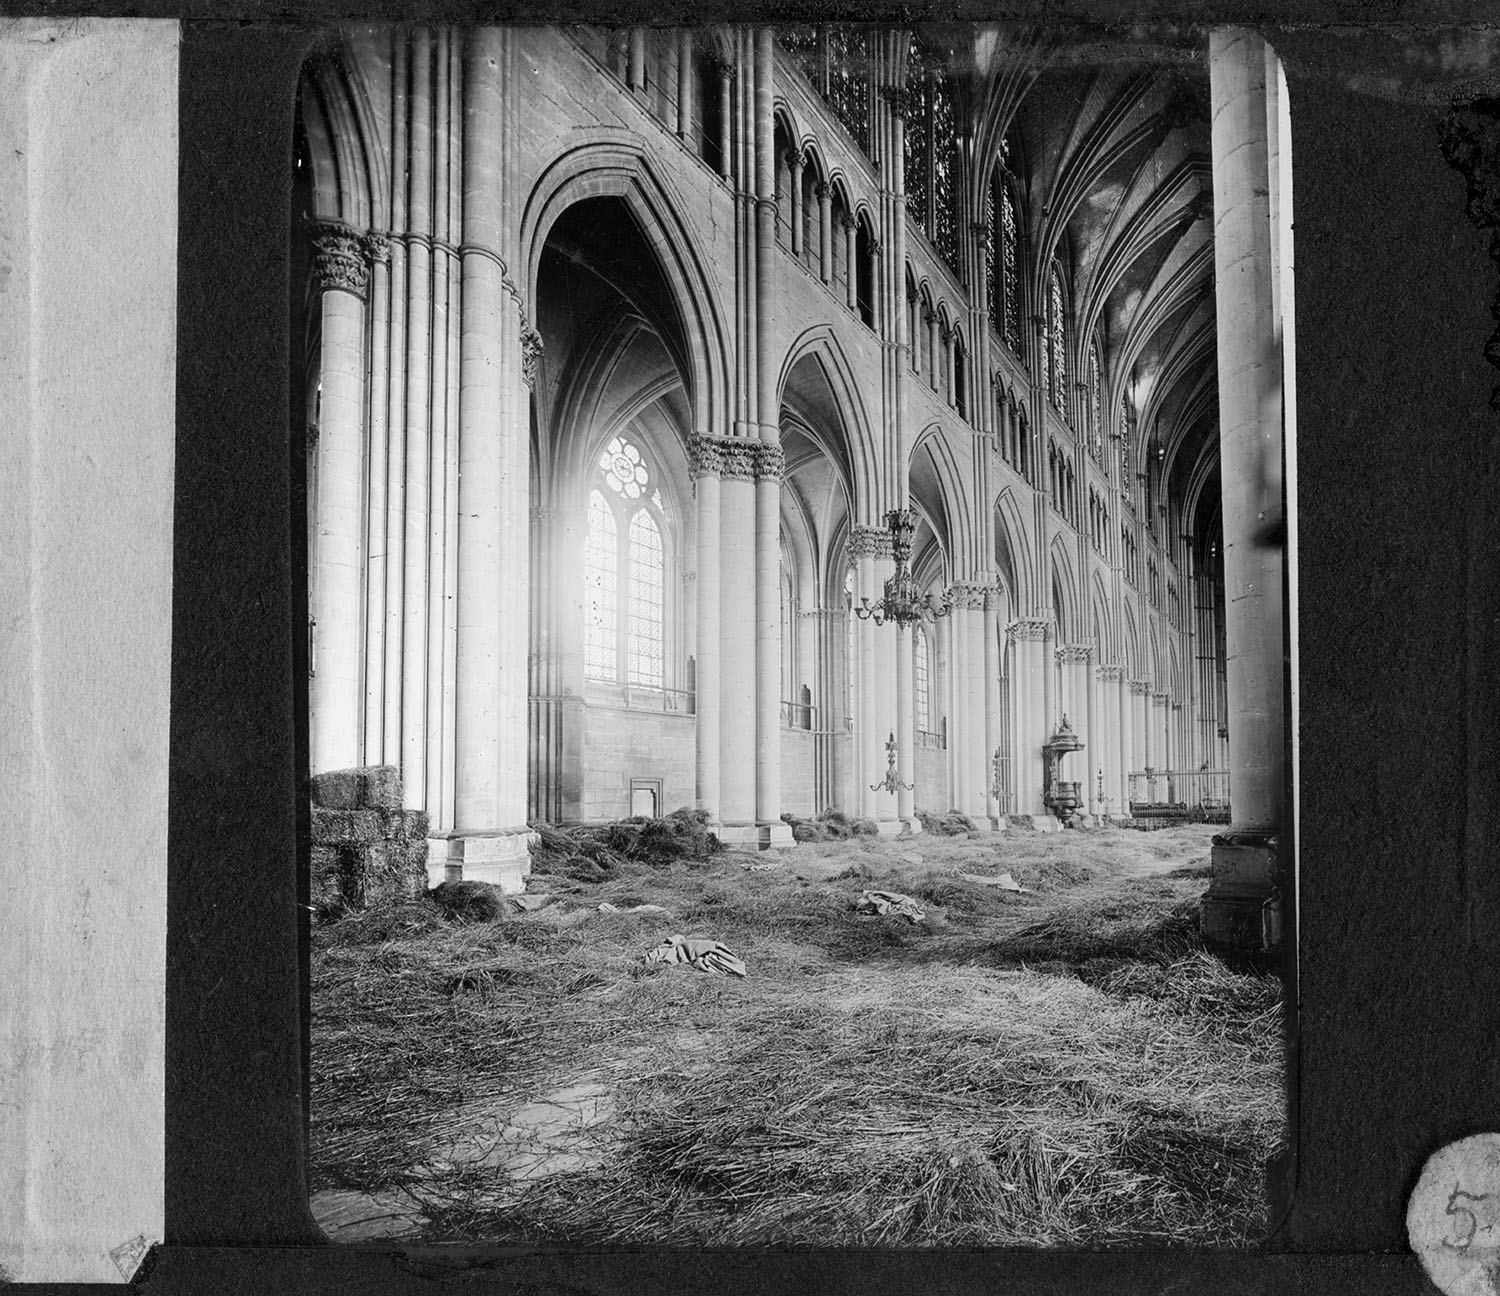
[
  {"x": 1070, "y": 1066},
  {"x": 829, "y": 825}
]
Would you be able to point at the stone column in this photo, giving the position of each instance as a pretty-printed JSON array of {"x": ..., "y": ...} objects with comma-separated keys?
[
  {"x": 637, "y": 56},
  {"x": 415, "y": 592},
  {"x": 726, "y": 107},
  {"x": 341, "y": 276},
  {"x": 1033, "y": 730},
  {"x": 825, "y": 231},
  {"x": 737, "y": 640},
  {"x": 978, "y": 660},
  {"x": 395, "y": 473},
  {"x": 1161, "y": 739},
  {"x": 769, "y": 466},
  {"x": 488, "y": 839},
  {"x": 1140, "y": 731},
  {"x": 1249, "y": 212},
  {"x": 704, "y": 464},
  {"x": 906, "y": 746},
  {"x": 992, "y": 740},
  {"x": 1107, "y": 737},
  {"x": 884, "y": 706},
  {"x": 851, "y": 272},
  {"x": 1081, "y": 766},
  {"x": 372, "y": 740},
  {"x": 794, "y": 166},
  {"x": 956, "y": 597}
]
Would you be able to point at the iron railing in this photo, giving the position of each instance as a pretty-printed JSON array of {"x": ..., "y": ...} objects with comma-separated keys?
[
  {"x": 798, "y": 715},
  {"x": 640, "y": 697},
  {"x": 1202, "y": 791}
]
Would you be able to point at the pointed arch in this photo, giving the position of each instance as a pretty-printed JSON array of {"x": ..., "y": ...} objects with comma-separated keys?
[
  {"x": 1013, "y": 551},
  {"x": 1065, "y": 592},
  {"x": 858, "y": 443},
  {"x": 948, "y": 478},
  {"x": 613, "y": 163},
  {"x": 351, "y": 178}
]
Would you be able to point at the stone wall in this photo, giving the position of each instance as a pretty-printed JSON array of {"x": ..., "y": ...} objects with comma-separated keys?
[{"x": 619, "y": 745}]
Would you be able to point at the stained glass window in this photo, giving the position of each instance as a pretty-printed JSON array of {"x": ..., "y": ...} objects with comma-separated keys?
[
  {"x": 623, "y": 469},
  {"x": 945, "y": 170},
  {"x": 992, "y": 237},
  {"x": 918, "y": 150},
  {"x": 1057, "y": 361},
  {"x": 920, "y": 677},
  {"x": 643, "y": 645},
  {"x": 848, "y": 90},
  {"x": 601, "y": 576},
  {"x": 625, "y": 573},
  {"x": 1010, "y": 270},
  {"x": 1096, "y": 430}
]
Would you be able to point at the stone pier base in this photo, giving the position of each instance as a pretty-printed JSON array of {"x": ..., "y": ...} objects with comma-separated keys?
[
  {"x": 501, "y": 858},
  {"x": 1242, "y": 882}
]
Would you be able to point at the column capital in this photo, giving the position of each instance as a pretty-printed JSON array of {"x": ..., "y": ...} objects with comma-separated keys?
[
  {"x": 1109, "y": 673},
  {"x": 341, "y": 257},
  {"x": 869, "y": 542},
  {"x": 735, "y": 458},
  {"x": 1074, "y": 653},
  {"x": 1139, "y": 687},
  {"x": 969, "y": 594},
  {"x": 822, "y": 190},
  {"x": 1161, "y": 699},
  {"x": 1029, "y": 629}
]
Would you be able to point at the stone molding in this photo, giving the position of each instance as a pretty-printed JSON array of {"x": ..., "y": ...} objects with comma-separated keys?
[
  {"x": 735, "y": 458},
  {"x": 341, "y": 257},
  {"x": 1074, "y": 653},
  {"x": 1029, "y": 629},
  {"x": 870, "y": 542}
]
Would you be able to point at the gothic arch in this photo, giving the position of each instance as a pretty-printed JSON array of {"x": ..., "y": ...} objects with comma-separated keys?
[
  {"x": 949, "y": 481},
  {"x": 1103, "y": 624},
  {"x": 821, "y": 345},
  {"x": 613, "y": 163},
  {"x": 350, "y": 172},
  {"x": 1065, "y": 588},
  {"x": 1010, "y": 528}
]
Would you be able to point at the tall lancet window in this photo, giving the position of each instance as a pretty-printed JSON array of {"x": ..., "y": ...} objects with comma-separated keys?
[
  {"x": 625, "y": 551},
  {"x": 920, "y": 677},
  {"x": 1057, "y": 348},
  {"x": 1096, "y": 426}
]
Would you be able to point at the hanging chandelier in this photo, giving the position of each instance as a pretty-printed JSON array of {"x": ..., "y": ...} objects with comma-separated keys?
[{"x": 901, "y": 602}]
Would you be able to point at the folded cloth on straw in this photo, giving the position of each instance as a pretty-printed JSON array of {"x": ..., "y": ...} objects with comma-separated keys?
[
  {"x": 888, "y": 902},
  {"x": 705, "y": 955}
]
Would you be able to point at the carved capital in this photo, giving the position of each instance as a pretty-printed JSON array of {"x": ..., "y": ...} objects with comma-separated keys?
[
  {"x": 531, "y": 354},
  {"x": 967, "y": 594},
  {"x": 870, "y": 542},
  {"x": 822, "y": 191},
  {"x": 1068, "y": 654},
  {"x": 341, "y": 258},
  {"x": 1139, "y": 687},
  {"x": 1029, "y": 629},
  {"x": 770, "y": 461},
  {"x": 1109, "y": 673},
  {"x": 1161, "y": 699}
]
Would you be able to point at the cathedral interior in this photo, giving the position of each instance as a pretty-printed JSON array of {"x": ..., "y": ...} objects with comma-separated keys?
[{"x": 642, "y": 366}]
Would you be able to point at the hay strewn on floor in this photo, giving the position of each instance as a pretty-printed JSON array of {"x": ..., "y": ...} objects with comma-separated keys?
[{"x": 1069, "y": 1066}]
